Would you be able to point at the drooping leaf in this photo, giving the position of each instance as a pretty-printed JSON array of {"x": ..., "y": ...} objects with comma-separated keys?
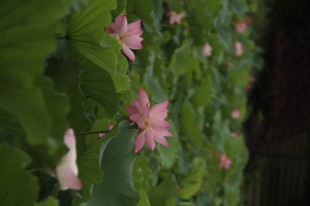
[
  {"x": 89, "y": 164},
  {"x": 14, "y": 179},
  {"x": 117, "y": 187}
]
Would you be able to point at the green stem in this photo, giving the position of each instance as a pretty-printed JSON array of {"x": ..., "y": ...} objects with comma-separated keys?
[
  {"x": 35, "y": 169},
  {"x": 96, "y": 132}
]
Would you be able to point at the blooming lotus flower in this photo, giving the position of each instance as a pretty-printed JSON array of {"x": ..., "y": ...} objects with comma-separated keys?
[
  {"x": 241, "y": 26},
  {"x": 110, "y": 127},
  {"x": 238, "y": 49},
  {"x": 151, "y": 121},
  {"x": 235, "y": 114},
  {"x": 127, "y": 34},
  {"x": 176, "y": 18},
  {"x": 225, "y": 162},
  {"x": 207, "y": 50},
  {"x": 67, "y": 170}
]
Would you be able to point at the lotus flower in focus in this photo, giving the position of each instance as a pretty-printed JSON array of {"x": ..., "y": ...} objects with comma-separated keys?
[
  {"x": 67, "y": 170},
  {"x": 238, "y": 49},
  {"x": 175, "y": 18},
  {"x": 127, "y": 34},
  {"x": 207, "y": 50},
  {"x": 151, "y": 121},
  {"x": 225, "y": 162}
]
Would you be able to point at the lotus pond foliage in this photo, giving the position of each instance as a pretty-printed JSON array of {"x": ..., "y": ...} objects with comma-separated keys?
[{"x": 86, "y": 84}]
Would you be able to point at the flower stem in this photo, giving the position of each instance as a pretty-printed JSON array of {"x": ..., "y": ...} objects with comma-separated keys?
[{"x": 96, "y": 132}]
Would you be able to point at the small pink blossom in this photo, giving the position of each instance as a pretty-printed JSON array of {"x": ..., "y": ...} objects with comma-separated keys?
[
  {"x": 238, "y": 49},
  {"x": 241, "y": 26},
  {"x": 176, "y": 18},
  {"x": 151, "y": 121},
  {"x": 127, "y": 34},
  {"x": 235, "y": 114},
  {"x": 225, "y": 162},
  {"x": 103, "y": 134},
  {"x": 207, "y": 50},
  {"x": 67, "y": 170}
]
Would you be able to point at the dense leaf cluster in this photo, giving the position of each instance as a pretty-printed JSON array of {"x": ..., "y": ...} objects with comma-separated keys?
[{"x": 61, "y": 69}]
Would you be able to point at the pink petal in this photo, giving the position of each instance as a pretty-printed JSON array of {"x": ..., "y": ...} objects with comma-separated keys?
[
  {"x": 149, "y": 139},
  {"x": 164, "y": 133},
  {"x": 141, "y": 124},
  {"x": 161, "y": 140},
  {"x": 136, "y": 103},
  {"x": 110, "y": 127},
  {"x": 159, "y": 124},
  {"x": 159, "y": 111},
  {"x": 146, "y": 112},
  {"x": 69, "y": 159},
  {"x": 120, "y": 24},
  {"x": 133, "y": 42},
  {"x": 144, "y": 99},
  {"x": 140, "y": 142},
  {"x": 67, "y": 169},
  {"x": 128, "y": 53},
  {"x": 101, "y": 135},
  {"x": 135, "y": 117},
  {"x": 134, "y": 28},
  {"x": 68, "y": 180},
  {"x": 133, "y": 110}
]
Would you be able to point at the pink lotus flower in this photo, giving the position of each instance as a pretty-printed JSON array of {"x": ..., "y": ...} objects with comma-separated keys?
[
  {"x": 103, "y": 134},
  {"x": 207, "y": 50},
  {"x": 225, "y": 162},
  {"x": 67, "y": 170},
  {"x": 238, "y": 49},
  {"x": 151, "y": 121},
  {"x": 235, "y": 114},
  {"x": 241, "y": 26},
  {"x": 127, "y": 34},
  {"x": 176, "y": 18}
]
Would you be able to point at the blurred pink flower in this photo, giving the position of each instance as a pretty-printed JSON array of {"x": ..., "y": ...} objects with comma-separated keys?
[
  {"x": 238, "y": 49},
  {"x": 127, "y": 34},
  {"x": 235, "y": 114},
  {"x": 176, "y": 18},
  {"x": 241, "y": 26},
  {"x": 67, "y": 170},
  {"x": 103, "y": 134},
  {"x": 207, "y": 50},
  {"x": 225, "y": 162},
  {"x": 150, "y": 120}
]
